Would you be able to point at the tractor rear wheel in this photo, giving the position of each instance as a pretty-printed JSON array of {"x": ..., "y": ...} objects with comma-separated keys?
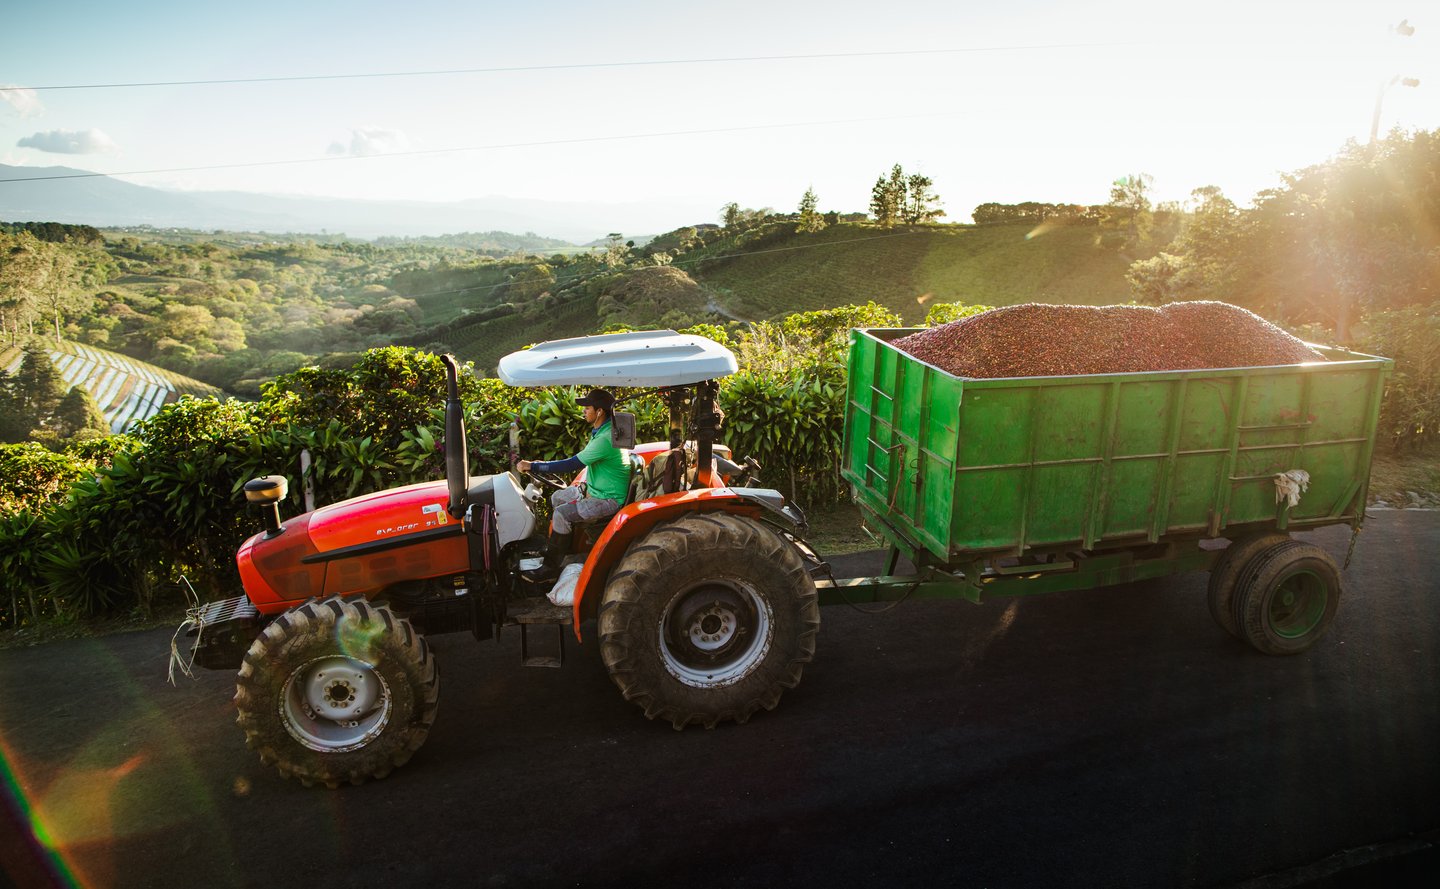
[
  {"x": 707, "y": 619},
  {"x": 337, "y": 691}
]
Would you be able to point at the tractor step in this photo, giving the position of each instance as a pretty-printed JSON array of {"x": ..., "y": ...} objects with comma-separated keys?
[{"x": 538, "y": 611}]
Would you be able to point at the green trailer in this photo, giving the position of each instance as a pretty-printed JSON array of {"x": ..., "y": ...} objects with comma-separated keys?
[{"x": 1028, "y": 485}]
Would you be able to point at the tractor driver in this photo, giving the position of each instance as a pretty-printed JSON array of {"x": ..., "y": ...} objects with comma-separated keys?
[{"x": 607, "y": 480}]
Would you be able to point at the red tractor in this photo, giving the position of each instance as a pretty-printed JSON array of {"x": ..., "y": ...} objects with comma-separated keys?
[{"x": 701, "y": 585}]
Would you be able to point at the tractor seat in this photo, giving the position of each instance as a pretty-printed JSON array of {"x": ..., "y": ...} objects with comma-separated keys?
[{"x": 587, "y": 532}]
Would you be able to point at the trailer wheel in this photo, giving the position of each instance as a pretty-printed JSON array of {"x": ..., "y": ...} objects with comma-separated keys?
[
  {"x": 708, "y": 618},
  {"x": 1227, "y": 573},
  {"x": 337, "y": 691},
  {"x": 1287, "y": 598}
]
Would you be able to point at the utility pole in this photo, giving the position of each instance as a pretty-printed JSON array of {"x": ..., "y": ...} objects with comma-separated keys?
[{"x": 1404, "y": 29}]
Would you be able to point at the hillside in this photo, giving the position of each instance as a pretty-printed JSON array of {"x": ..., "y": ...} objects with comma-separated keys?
[
  {"x": 773, "y": 271},
  {"x": 906, "y": 270},
  {"x": 125, "y": 389}
]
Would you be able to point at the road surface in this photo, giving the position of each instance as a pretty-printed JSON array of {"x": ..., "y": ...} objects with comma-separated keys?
[{"x": 1108, "y": 738}]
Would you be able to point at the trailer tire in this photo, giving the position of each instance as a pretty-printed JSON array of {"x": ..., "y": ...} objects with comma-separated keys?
[
  {"x": 1228, "y": 571},
  {"x": 367, "y": 669},
  {"x": 707, "y": 619},
  {"x": 1288, "y": 597}
]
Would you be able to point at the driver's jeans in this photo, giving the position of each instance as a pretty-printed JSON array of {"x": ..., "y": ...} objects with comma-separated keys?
[{"x": 571, "y": 506}]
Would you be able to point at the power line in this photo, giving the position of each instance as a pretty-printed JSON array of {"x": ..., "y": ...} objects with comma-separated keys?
[
  {"x": 574, "y": 67},
  {"x": 493, "y": 147}
]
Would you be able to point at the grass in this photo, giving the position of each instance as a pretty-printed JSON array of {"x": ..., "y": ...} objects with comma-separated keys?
[
  {"x": 835, "y": 530},
  {"x": 1393, "y": 476},
  {"x": 487, "y": 342},
  {"x": 907, "y": 269}
]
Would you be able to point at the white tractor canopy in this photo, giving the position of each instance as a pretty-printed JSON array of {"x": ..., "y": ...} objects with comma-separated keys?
[{"x": 650, "y": 358}]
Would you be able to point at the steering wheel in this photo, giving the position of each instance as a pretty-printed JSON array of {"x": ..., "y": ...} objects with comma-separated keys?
[{"x": 548, "y": 480}]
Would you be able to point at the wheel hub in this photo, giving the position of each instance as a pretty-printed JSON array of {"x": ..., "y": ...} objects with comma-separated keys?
[
  {"x": 334, "y": 704},
  {"x": 1298, "y": 606},
  {"x": 713, "y": 628},
  {"x": 713, "y": 634}
]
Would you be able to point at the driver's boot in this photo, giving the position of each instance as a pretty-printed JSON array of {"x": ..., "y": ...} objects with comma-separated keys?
[{"x": 556, "y": 549}]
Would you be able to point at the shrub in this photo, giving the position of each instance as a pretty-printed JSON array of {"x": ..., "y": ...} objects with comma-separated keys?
[
  {"x": 33, "y": 477},
  {"x": 944, "y": 313},
  {"x": 791, "y": 425},
  {"x": 1410, "y": 412}
]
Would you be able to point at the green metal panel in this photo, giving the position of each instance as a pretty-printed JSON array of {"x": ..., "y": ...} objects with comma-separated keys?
[{"x": 959, "y": 468}]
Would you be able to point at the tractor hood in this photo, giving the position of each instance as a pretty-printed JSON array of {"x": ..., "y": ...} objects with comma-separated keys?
[
  {"x": 362, "y": 545},
  {"x": 652, "y": 358}
]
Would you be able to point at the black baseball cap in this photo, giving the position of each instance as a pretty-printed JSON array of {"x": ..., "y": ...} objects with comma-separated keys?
[{"x": 597, "y": 398}]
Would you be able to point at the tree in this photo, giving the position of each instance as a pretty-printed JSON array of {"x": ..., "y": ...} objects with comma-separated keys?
[
  {"x": 1206, "y": 261},
  {"x": 78, "y": 416},
  {"x": 895, "y": 191},
  {"x": 1353, "y": 234},
  {"x": 13, "y": 428},
  {"x": 187, "y": 324},
  {"x": 1128, "y": 213},
  {"x": 616, "y": 252},
  {"x": 1210, "y": 243},
  {"x": 1156, "y": 280},
  {"x": 879, "y": 208},
  {"x": 37, "y": 388},
  {"x": 889, "y": 197},
  {"x": 21, "y": 273},
  {"x": 730, "y": 214},
  {"x": 530, "y": 281},
  {"x": 1349, "y": 237},
  {"x": 57, "y": 289},
  {"x": 810, "y": 218},
  {"x": 882, "y": 203},
  {"x": 922, "y": 204}
]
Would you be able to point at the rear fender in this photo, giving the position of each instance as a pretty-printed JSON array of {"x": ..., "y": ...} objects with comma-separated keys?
[{"x": 632, "y": 522}]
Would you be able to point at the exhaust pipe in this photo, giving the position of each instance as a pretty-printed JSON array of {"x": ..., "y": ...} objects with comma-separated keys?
[{"x": 457, "y": 456}]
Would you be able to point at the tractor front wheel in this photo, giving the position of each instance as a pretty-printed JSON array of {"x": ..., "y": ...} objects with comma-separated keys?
[
  {"x": 707, "y": 619},
  {"x": 337, "y": 691}
]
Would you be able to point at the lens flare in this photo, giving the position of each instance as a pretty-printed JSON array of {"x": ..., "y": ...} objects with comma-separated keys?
[
  {"x": 1043, "y": 228},
  {"x": 35, "y": 859}
]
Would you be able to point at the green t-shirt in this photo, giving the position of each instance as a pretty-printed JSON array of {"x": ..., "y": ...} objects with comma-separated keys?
[{"x": 607, "y": 475}]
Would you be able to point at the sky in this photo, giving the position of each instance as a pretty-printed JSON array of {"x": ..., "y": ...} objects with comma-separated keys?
[{"x": 629, "y": 102}]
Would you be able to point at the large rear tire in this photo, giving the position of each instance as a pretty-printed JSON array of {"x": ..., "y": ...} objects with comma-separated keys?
[
  {"x": 707, "y": 619},
  {"x": 1227, "y": 573},
  {"x": 337, "y": 691},
  {"x": 1288, "y": 598}
]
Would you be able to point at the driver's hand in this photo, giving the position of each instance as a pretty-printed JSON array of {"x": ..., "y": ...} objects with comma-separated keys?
[{"x": 523, "y": 466}]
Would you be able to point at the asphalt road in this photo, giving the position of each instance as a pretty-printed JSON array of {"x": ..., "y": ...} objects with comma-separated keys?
[{"x": 1102, "y": 738}]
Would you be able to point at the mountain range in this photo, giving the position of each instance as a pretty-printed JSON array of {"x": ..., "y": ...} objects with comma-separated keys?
[{"x": 26, "y": 194}]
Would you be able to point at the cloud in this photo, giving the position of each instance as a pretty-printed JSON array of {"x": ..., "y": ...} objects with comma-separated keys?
[
  {"x": 370, "y": 141},
  {"x": 90, "y": 141},
  {"x": 25, "y": 101}
]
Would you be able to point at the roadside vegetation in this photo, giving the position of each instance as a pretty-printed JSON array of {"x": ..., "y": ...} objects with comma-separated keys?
[{"x": 332, "y": 344}]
